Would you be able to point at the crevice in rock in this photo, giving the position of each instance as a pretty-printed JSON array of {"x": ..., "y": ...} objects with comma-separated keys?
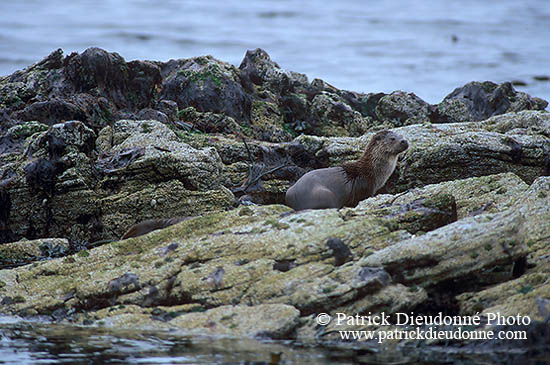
[{"x": 442, "y": 296}]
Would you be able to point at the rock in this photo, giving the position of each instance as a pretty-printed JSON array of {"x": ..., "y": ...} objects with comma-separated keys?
[
  {"x": 448, "y": 152},
  {"x": 473, "y": 196},
  {"x": 60, "y": 165},
  {"x": 296, "y": 113},
  {"x": 22, "y": 86},
  {"x": 260, "y": 321},
  {"x": 6, "y": 234},
  {"x": 334, "y": 117},
  {"x": 96, "y": 71},
  {"x": 340, "y": 251},
  {"x": 267, "y": 102},
  {"x": 400, "y": 109},
  {"x": 172, "y": 198},
  {"x": 451, "y": 149},
  {"x": 264, "y": 320},
  {"x": 465, "y": 229},
  {"x": 521, "y": 123},
  {"x": 208, "y": 122},
  {"x": 169, "y": 108},
  {"x": 164, "y": 157},
  {"x": 144, "y": 79},
  {"x": 425, "y": 213},
  {"x": 41, "y": 175},
  {"x": 477, "y": 101},
  {"x": 222, "y": 256},
  {"x": 267, "y": 122},
  {"x": 62, "y": 139},
  {"x": 25, "y": 251},
  {"x": 513, "y": 142},
  {"x": 148, "y": 113},
  {"x": 51, "y": 112},
  {"x": 446, "y": 253},
  {"x": 258, "y": 69},
  {"x": 206, "y": 84},
  {"x": 524, "y": 295},
  {"x": 181, "y": 180},
  {"x": 142, "y": 161},
  {"x": 13, "y": 140}
]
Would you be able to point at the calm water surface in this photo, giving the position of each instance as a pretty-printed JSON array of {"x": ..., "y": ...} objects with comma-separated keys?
[
  {"x": 366, "y": 46},
  {"x": 24, "y": 342}
]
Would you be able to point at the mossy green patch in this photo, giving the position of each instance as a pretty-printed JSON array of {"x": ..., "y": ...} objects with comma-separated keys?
[
  {"x": 212, "y": 72},
  {"x": 146, "y": 128},
  {"x": 27, "y": 129},
  {"x": 245, "y": 211},
  {"x": 83, "y": 253},
  {"x": 258, "y": 230},
  {"x": 228, "y": 317},
  {"x": 201, "y": 226},
  {"x": 526, "y": 289},
  {"x": 198, "y": 309},
  {"x": 276, "y": 224},
  {"x": 287, "y": 128}
]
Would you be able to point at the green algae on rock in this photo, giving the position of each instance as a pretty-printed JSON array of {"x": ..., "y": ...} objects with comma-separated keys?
[
  {"x": 222, "y": 259},
  {"x": 25, "y": 251},
  {"x": 465, "y": 229}
]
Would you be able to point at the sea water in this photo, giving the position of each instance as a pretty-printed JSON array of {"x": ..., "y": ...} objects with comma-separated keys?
[{"x": 428, "y": 47}]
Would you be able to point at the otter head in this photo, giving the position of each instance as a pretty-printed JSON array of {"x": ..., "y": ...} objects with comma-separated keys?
[
  {"x": 386, "y": 144},
  {"x": 379, "y": 159},
  {"x": 381, "y": 154}
]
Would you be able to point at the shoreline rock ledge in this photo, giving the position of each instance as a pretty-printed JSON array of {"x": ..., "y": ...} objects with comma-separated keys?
[{"x": 91, "y": 144}]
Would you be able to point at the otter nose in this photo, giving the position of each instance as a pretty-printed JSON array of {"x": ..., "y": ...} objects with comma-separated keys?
[{"x": 404, "y": 144}]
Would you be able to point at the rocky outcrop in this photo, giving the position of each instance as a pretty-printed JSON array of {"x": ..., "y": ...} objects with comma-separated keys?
[
  {"x": 99, "y": 167},
  {"x": 68, "y": 183},
  {"x": 253, "y": 257},
  {"x": 24, "y": 251},
  {"x": 478, "y": 101},
  {"x": 91, "y": 144},
  {"x": 269, "y": 103}
]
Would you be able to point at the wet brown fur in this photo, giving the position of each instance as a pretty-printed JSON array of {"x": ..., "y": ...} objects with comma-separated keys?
[
  {"x": 369, "y": 163},
  {"x": 335, "y": 187},
  {"x": 150, "y": 225}
]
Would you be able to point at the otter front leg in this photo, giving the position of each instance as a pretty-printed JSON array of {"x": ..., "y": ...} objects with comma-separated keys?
[{"x": 361, "y": 189}]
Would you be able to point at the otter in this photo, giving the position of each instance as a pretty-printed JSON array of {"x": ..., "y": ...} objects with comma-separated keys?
[
  {"x": 347, "y": 185},
  {"x": 151, "y": 225}
]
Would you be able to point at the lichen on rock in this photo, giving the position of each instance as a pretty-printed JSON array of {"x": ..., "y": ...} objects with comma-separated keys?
[{"x": 91, "y": 144}]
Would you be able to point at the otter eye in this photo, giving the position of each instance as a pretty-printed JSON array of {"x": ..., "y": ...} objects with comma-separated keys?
[{"x": 392, "y": 139}]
